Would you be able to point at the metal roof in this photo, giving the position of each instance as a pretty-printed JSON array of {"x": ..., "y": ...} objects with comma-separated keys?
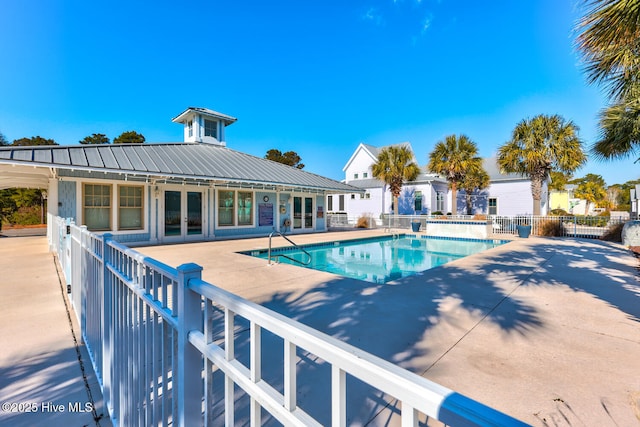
[
  {"x": 174, "y": 161},
  {"x": 180, "y": 118},
  {"x": 490, "y": 165}
]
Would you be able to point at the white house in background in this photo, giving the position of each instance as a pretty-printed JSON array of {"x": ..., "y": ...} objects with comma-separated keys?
[
  {"x": 507, "y": 195},
  {"x": 429, "y": 193}
]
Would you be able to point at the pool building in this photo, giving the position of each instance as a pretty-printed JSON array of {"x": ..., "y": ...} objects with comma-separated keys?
[{"x": 155, "y": 193}]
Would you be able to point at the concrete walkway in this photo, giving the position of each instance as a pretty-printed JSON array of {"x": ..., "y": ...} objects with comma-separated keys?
[
  {"x": 545, "y": 330},
  {"x": 43, "y": 381}
]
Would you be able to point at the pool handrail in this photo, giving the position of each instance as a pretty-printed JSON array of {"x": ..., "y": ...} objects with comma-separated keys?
[{"x": 285, "y": 256}]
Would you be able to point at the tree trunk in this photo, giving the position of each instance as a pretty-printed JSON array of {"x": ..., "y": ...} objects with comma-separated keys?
[
  {"x": 536, "y": 192},
  {"x": 469, "y": 203},
  {"x": 454, "y": 199}
]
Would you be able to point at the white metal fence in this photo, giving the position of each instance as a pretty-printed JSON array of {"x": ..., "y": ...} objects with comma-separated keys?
[
  {"x": 567, "y": 226},
  {"x": 158, "y": 337},
  {"x": 593, "y": 227}
]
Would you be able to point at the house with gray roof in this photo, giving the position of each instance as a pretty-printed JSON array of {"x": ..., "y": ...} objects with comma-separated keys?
[
  {"x": 507, "y": 194},
  {"x": 428, "y": 193},
  {"x": 198, "y": 189}
]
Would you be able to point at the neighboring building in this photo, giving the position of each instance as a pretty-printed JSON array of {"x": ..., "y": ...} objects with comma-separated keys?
[
  {"x": 427, "y": 194},
  {"x": 507, "y": 195},
  {"x": 635, "y": 202},
  {"x": 173, "y": 192},
  {"x": 566, "y": 201}
]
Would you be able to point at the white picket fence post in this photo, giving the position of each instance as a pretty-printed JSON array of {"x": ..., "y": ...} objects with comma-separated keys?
[
  {"x": 190, "y": 362},
  {"x": 107, "y": 326}
]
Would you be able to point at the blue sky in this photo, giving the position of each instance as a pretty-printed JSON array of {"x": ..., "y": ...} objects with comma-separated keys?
[{"x": 316, "y": 77}]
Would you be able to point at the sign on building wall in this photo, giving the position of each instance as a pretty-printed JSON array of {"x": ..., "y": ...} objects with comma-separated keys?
[{"x": 265, "y": 214}]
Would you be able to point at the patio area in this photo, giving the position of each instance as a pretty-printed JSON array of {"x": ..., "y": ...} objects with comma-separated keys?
[{"x": 545, "y": 330}]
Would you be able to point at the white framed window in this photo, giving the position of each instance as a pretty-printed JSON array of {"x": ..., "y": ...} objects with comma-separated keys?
[
  {"x": 440, "y": 201},
  {"x": 417, "y": 202},
  {"x": 190, "y": 128},
  {"x": 493, "y": 206},
  {"x": 330, "y": 203},
  {"x": 210, "y": 128},
  {"x": 130, "y": 207},
  {"x": 355, "y": 176},
  {"x": 245, "y": 208},
  {"x": 235, "y": 208},
  {"x": 96, "y": 207},
  {"x": 365, "y": 175},
  {"x": 341, "y": 202}
]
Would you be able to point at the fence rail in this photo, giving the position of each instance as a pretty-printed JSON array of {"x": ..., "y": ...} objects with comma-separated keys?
[
  {"x": 158, "y": 336},
  {"x": 559, "y": 226}
]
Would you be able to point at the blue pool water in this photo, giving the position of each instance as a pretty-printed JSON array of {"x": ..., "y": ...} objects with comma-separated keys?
[{"x": 380, "y": 260}]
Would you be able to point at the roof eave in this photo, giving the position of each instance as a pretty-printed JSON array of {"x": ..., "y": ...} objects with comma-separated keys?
[{"x": 182, "y": 117}]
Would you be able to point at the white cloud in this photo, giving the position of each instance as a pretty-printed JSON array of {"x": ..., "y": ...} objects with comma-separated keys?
[
  {"x": 426, "y": 23},
  {"x": 373, "y": 15}
]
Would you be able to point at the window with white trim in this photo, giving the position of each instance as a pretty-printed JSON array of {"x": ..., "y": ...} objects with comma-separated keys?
[
  {"x": 440, "y": 201},
  {"x": 130, "y": 207},
  {"x": 235, "y": 208},
  {"x": 493, "y": 206},
  {"x": 210, "y": 128},
  {"x": 96, "y": 207},
  {"x": 417, "y": 202}
]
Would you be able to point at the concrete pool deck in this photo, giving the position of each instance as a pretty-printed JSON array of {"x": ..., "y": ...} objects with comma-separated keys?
[{"x": 546, "y": 330}]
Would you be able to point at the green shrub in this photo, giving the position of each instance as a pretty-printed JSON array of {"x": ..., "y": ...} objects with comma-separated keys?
[
  {"x": 26, "y": 215},
  {"x": 558, "y": 212},
  {"x": 592, "y": 221}
]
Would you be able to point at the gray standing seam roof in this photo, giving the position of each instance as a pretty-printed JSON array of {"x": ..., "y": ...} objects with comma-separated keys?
[{"x": 173, "y": 160}]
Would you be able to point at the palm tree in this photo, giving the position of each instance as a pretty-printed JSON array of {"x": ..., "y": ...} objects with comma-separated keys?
[
  {"x": 394, "y": 166},
  {"x": 454, "y": 158},
  {"x": 477, "y": 180},
  {"x": 620, "y": 130},
  {"x": 609, "y": 41},
  {"x": 591, "y": 192},
  {"x": 537, "y": 147}
]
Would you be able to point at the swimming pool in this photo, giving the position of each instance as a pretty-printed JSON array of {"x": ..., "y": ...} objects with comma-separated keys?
[{"x": 381, "y": 259}]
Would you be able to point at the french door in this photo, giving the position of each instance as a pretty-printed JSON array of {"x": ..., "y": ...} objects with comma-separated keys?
[
  {"x": 302, "y": 213},
  {"x": 183, "y": 213}
]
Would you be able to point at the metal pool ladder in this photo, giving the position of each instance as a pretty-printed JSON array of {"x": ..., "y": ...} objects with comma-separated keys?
[{"x": 285, "y": 256}]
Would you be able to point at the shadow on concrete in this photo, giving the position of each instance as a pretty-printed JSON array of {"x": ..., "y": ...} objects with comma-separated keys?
[
  {"x": 397, "y": 321},
  {"x": 45, "y": 390}
]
